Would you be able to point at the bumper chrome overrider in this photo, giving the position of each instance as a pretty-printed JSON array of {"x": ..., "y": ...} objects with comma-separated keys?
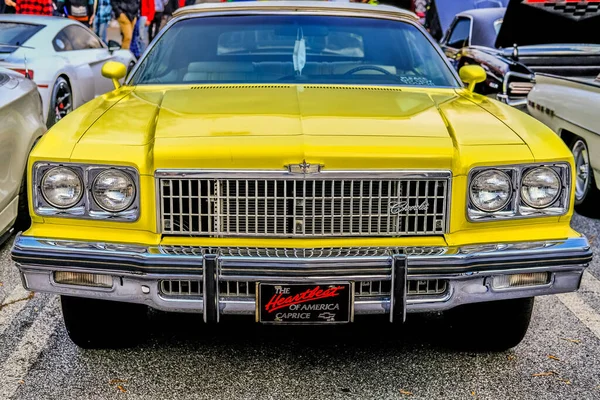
[{"x": 139, "y": 270}]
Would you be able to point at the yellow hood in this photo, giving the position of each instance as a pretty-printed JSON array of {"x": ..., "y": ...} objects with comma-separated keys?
[{"x": 269, "y": 126}]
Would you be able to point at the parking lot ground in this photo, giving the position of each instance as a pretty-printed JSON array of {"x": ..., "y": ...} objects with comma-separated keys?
[{"x": 183, "y": 358}]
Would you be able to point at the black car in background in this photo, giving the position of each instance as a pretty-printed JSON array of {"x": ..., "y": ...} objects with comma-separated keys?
[
  {"x": 440, "y": 13},
  {"x": 472, "y": 29},
  {"x": 533, "y": 36}
]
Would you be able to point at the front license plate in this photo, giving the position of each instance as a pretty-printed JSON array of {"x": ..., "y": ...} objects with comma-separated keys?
[{"x": 291, "y": 303}]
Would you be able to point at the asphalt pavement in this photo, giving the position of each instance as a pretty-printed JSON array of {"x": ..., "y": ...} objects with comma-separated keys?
[{"x": 184, "y": 359}]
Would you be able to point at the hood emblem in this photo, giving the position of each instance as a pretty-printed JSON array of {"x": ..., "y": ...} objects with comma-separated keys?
[
  {"x": 304, "y": 168},
  {"x": 576, "y": 10}
]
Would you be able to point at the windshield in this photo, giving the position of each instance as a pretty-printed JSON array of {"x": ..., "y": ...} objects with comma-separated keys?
[
  {"x": 15, "y": 34},
  {"x": 293, "y": 49}
]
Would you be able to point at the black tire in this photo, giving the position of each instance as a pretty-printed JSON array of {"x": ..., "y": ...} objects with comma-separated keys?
[
  {"x": 23, "y": 220},
  {"x": 587, "y": 194},
  {"x": 98, "y": 324},
  {"x": 491, "y": 326},
  {"x": 61, "y": 101}
]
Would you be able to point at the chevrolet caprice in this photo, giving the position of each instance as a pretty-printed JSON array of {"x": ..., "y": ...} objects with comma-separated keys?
[{"x": 302, "y": 163}]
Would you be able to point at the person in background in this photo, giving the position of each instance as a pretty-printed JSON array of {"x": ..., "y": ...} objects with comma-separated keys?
[
  {"x": 147, "y": 11},
  {"x": 126, "y": 12},
  {"x": 7, "y": 7},
  {"x": 79, "y": 10},
  {"x": 32, "y": 7},
  {"x": 103, "y": 17},
  {"x": 170, "y": 8},
  {"x": 159, "y": 9}
]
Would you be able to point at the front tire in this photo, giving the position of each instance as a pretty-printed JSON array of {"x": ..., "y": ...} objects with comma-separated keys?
[
  {"x": 61, "y": 101},
  {"x": 491, "y": 326},
  {"x": 96, "y": 324}
]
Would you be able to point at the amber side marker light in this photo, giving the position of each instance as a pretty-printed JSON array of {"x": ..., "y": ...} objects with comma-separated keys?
[
  {"x": 83, "y": 279},
  {"x": 521, "y": 280}
]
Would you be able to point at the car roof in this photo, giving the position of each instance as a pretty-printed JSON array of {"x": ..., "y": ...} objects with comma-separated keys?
[
  {"x": 36, "y": 19},
  {"x": 51, "y": 26},
  {"x": 316, "y": 6},
  {"x": 483, "y": 32},
  {"x": 484, "y": 14}
]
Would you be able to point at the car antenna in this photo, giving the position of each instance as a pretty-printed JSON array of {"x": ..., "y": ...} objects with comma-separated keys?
[{"x": 26, "y": 68}]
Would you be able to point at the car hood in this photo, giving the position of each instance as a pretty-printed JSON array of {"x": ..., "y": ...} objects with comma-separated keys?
[
  {"x": 252, "y": 126},
  {"x": 532, "y": 22}
]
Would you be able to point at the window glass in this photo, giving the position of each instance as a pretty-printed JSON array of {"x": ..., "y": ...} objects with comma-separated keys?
[
  {"x": 497, "y": 25},
  {"x": 459, "y": 37},
  {"x": 75, "y": 37},
  {"x": 61, "y": 42},
  {"x": 293, "y": 48},
  {"x": 16, "y": 34}
]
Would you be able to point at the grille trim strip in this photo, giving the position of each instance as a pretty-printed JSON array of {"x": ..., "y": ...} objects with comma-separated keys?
[
  {"x": 323, "y": 252},
  {"x": 325, "y": 204}
]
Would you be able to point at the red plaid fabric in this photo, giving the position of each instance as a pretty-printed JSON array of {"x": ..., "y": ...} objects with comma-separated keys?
[{"x": 35, "y": 7}]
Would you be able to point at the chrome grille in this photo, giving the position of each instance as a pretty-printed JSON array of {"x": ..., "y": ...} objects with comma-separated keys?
[
  {"x": 292, "y": 207},
  {"x": 426, "y": 287},
  {"x": 372, "y": 288},
  {"x": 237, "y": 289},
  {"x": 177, "y": 287},
  {"x": 323, "y": 252}
]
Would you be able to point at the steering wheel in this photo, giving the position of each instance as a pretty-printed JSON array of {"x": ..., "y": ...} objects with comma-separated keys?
[{"x": 369, "y": 67}]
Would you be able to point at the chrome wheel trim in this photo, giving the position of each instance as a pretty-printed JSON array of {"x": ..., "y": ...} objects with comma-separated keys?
[
  {"x": 582, "y": 169},
  {"x": 62, "y": 100}
]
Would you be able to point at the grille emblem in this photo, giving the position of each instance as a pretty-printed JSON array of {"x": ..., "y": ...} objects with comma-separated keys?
[{"x": 304, "y": 168}]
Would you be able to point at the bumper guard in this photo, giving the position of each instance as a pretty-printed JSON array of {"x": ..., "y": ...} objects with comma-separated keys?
[{"x": 138, "y": 271}]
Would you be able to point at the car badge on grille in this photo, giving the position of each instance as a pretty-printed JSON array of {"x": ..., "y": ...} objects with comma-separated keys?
[
  {"x": 304, "y": 168},
  {"x": 572, "y": 9}
]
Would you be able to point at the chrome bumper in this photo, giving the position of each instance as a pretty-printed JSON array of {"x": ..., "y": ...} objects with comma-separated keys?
[{"x": 138, "y": 270}]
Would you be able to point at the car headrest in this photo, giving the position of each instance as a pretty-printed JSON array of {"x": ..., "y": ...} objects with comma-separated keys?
[{"x": 217, "y": 66}]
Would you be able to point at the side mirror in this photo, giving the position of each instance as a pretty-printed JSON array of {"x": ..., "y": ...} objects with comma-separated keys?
[
  {"x": 115, "y": 71},
  {"x": 113, "y": 46},
  {"x": 472, "y": 75}
]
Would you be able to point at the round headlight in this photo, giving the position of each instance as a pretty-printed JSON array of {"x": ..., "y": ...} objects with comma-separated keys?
[
  {"x": 540, "y": 187},
  {"x": 113, "y": 190},
  {"x": 490, "y": 190},
  {"x": 61, "y": 187}
]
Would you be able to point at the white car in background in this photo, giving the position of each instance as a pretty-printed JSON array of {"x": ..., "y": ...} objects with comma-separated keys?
[
  {"x": 570, "y": 107},
  {"x": 21, "y": 125},
  {"x": 61, "y": 56}
]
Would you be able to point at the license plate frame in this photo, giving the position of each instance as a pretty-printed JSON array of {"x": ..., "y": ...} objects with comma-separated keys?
[{"x": 268, "y": 292}]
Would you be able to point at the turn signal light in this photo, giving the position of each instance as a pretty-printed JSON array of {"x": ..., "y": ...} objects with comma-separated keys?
[
  {"x": 27, "y": 73},
  {"x": 520, "y": 280},
  {"x": 83, "y": 279}
]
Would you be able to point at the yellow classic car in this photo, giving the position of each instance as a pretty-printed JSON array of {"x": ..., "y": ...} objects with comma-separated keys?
[{"x": 303, "y": 163}]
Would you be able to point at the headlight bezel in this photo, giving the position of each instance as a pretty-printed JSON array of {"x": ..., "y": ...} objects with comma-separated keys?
[
  {"x": 517, "y": 208},
  {"x": 86, "y": 208}
]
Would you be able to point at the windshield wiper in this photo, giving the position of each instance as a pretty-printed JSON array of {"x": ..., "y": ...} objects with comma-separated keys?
[{"x": 15, "y": 46}]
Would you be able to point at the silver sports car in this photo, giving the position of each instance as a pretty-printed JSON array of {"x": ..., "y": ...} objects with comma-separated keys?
[
  {"x": 21, "y": 125},
  {"x": 61, "y": 56}
]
